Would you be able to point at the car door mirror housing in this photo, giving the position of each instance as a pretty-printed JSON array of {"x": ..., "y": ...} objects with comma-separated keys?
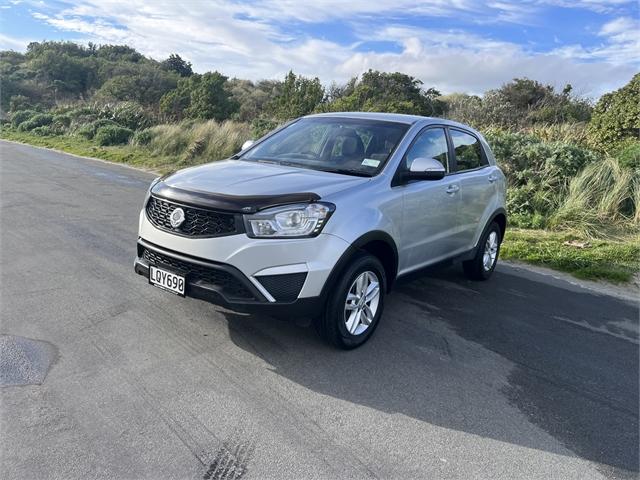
[
  {"x": 425, "y": 169},
  {"x": 247, "y": 144}
]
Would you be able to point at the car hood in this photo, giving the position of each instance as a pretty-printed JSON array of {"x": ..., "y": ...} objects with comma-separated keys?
[{"x": 244, "y": 178}]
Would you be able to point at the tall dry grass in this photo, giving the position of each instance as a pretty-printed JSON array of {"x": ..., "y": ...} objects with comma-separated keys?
[
  {"x": 194, "y": 142},
  {"x": 602, "y": 200},
  {"x": 575, "y": 133}
]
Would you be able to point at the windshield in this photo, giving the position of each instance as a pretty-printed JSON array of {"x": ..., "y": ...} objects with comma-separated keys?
[{"x": 341, "y": 145}]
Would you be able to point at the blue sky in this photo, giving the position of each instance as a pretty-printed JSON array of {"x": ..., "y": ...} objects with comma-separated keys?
[{"x": 454, "y": 45}]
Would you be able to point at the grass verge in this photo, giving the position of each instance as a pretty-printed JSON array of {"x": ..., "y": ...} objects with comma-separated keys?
[
  {"x": 613, "y": 261},
  {"x": 133, "y": 156}
]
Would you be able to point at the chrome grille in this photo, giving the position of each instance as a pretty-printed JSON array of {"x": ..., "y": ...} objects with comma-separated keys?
[{"x": 198, "y": 222}]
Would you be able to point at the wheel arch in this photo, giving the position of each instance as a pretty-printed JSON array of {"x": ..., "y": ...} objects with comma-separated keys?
[
  {"x": 377, "y": 243},
  {"x": 500, "y": 217}
]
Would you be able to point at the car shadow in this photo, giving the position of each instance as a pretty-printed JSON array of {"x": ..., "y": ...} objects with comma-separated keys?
[{"x": 460, "y": 354}]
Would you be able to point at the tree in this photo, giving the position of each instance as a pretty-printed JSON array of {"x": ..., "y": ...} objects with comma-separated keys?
[
  {"x": 252, "y": 97},
  {"x": 463, "y": 108},
  {"x": 175, "y": 63},
  {"x": 387, "y": 92},
  {"x": 117, "y": 53},
  {"x": 60, "y": 73},
  {"x": 210, "y": 98},
  {"x": 299, "y": 96},
  {"x": 616, "y": 117},
  {"x": 523, "y": 102},
  {"x": 200, "y": 96},
  {"x": 19, "y": 102},
  {"x": 146, "y": 86},
  {"x": 175, "y": 103}
]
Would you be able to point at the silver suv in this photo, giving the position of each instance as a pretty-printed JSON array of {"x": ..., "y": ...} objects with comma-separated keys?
[{"x": 320, "y": 217}]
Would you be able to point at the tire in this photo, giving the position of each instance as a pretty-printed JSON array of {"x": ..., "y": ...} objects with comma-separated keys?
[
  {"x": 477, "y": 268},
  {"x": 336, "y": 320}
]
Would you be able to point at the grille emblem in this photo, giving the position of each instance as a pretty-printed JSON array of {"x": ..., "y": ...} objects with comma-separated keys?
[{"x": 177, "y": 217}]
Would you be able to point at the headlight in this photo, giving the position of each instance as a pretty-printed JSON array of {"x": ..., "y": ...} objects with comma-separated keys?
[{"x": 289, "y": 221}]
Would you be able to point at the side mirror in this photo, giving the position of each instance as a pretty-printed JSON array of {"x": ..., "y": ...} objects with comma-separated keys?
[
  {"x": 425, "y": 169},
  {"x": 247, "y": 144}
]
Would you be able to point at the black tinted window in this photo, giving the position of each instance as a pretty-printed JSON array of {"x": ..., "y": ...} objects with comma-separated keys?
[
  {"x": 468, "y": 151},
  {"x": 431, "y": 143}
]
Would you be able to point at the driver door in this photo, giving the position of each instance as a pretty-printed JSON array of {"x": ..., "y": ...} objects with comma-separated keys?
[{"x": 430, "y": 222}]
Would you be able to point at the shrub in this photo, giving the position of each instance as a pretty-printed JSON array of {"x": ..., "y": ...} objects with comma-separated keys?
[
  {"x": 19, "y": 102},
  {"x": 127, "y": 114},
  {"x": 538, "y": 173},
  {"x": 80, "y": 120},
  {"x": 261, "y": 126},
  {"x": 142, "y": 137},
  {"x": 38, "y": 120},
  {"x": 629, "y": 156},
  {"x": 112, "y": 135},
  {"x": 22, "y": 116},
  {"x": 43, "y": 131},
  {"x": 62, "y": 120},
  {"x": 616, "y": 117},
  {"x": 89, "y": 131}
]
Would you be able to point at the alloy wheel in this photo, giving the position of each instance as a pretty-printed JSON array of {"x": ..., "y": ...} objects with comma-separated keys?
[
  {"x": 362, "y": 303},
  {"x": 490, "y": 251}
]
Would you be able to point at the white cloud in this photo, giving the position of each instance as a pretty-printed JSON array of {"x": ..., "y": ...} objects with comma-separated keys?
[
  {"x": 246, "y": 40},
  {"x": 600, "y": 6},
  {"x": 621, "y": 29},
  {"x": 457, "y": 61},
  {"x": 13, "y": 43},
  {"x": 621, "y": 44}
]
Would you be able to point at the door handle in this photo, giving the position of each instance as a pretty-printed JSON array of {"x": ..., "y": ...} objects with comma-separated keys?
[
  {"x": 451, "y": 189},
  {"x": 492, "y": 178}
]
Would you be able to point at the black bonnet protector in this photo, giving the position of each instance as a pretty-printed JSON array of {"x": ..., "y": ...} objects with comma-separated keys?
[{"x": 230, "y": 203}]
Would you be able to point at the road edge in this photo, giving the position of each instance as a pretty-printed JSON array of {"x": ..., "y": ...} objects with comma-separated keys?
[
  {"x": 108, "y": 162},
  {"x": 629, "y": 292}
]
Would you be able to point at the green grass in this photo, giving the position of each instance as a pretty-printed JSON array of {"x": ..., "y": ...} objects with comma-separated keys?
[
  {"x": 613, "y": 261},
  {"x": 130, "y": 155},
  {"x": 169, "y": 147}
]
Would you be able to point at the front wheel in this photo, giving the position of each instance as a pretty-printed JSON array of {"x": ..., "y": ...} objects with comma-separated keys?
[
  {"x": 484, "y": 263},
  {"x": 355, "y": 305}
]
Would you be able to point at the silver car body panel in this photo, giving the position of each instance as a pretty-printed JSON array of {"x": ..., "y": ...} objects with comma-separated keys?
[{"x": 429, "y": 221}]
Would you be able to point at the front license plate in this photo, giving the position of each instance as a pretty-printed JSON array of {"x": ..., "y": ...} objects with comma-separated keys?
[{"x": 167, "y": 280}]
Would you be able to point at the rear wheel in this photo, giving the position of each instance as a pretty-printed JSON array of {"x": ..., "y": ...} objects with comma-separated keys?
[
  {"x": 355, "y": 305},
  {"x": 484, "y": 263}
]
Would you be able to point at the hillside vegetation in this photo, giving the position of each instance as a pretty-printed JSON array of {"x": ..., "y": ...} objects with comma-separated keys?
[{"x": 573, "y": 167}]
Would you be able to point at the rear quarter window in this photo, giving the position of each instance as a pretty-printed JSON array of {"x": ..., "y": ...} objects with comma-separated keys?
[{"x": 468, "y": 151}]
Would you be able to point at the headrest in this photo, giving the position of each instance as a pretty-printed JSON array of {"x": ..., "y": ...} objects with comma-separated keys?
[{"x": 349, "y": 146}]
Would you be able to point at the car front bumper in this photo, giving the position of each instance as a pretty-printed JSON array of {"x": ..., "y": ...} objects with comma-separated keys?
[{"x": 242, "y": 273}]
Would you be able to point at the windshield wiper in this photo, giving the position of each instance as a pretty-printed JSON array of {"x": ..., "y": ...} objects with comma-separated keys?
[
  {"x": 345, "y": 171},
  {"x": 279, "y": 162}
]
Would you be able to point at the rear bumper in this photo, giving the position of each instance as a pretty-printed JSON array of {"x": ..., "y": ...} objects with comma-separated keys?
[{"x": 225, "y": 285}]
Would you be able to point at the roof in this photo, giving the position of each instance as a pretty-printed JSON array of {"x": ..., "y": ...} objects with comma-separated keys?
[
  {"x": 393, "y": 117},
  {"x": 389, "y": 117}
]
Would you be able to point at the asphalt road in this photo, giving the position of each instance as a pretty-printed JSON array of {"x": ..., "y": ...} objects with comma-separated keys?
[{"x": 523, "y": 376}]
